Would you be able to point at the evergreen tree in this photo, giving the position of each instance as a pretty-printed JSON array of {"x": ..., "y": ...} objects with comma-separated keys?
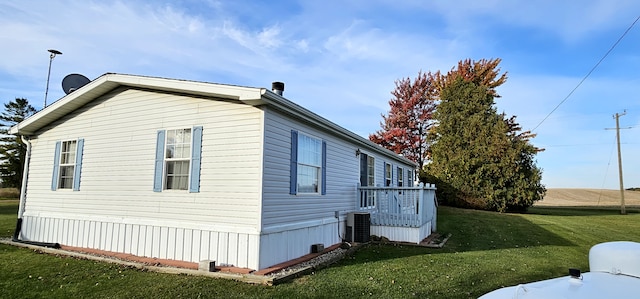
[
  {"x": 479, "y": 160},
  {"x": 12, "y": 150}
]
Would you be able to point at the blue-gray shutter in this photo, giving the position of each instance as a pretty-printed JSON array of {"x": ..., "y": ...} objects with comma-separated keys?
[
  {"x": 293, "y": 172},
  {"x": 324, "y": 167},
  {"x": 157, "y": 176},
  {"x": 78, "y": 165},
  {"x": 196, "y": 151},
  {"x": 56, "y": 166}
]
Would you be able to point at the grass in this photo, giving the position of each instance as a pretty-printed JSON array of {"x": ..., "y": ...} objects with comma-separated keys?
[{"x": 486, "y": 251}]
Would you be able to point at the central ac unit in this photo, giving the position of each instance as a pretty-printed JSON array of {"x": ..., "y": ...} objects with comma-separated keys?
[{"x": 358, "y": 227}]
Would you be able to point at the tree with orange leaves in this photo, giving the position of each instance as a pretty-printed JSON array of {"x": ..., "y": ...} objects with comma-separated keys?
[
  {"x": 482, "y": 73},
  {"x": 404, "y": 129}
]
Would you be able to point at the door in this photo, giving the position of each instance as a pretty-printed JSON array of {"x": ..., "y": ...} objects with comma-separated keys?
[{"x": 367, "y": 178}]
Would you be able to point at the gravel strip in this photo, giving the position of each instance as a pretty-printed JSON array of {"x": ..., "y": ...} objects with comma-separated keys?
[{"x": 325, "y": 259}]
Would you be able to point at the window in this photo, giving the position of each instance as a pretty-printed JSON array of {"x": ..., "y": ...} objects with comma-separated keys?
[
  {"x": 371, "y": 166},
  {"x": 400, "y": 177},
  {"x": 308, "y": 164},
  {"x": 67, "y": 165},
  {"x": 410, "y": 178},
  {"x": 387, "y": 174},
  {"x": 178, "y": 159}
]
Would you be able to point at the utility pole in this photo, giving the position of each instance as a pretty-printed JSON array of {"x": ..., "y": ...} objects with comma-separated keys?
[{"x": 622, "y": 207}]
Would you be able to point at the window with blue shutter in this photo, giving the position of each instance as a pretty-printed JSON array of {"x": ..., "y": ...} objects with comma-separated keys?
[
  {"x": 78, "y": 165},
  {"x": 67, "y": 165},
  {"x": 56, "y": 166},
  {"x": 178, "y": 159},
  {"x": 159, "y": 166},
  {"x": 196, "y": 151}
]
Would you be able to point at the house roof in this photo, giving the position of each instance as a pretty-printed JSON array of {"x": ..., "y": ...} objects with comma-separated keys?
[{"x": 248, "y": 95}]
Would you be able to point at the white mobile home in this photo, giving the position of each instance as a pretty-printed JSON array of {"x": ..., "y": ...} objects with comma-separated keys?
[{"x": 196, "y": 171}]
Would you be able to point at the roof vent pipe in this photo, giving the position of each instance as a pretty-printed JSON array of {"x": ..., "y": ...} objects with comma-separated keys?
[{"x": 277, "y": 87}]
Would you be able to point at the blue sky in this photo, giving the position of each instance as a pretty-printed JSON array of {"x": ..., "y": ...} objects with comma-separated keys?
[{"x": 340, "y": 59}]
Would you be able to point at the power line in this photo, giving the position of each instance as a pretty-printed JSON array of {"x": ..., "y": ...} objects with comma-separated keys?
[
  {"x": 573, "y": 145},
  {"x": 589, "y": 73}
]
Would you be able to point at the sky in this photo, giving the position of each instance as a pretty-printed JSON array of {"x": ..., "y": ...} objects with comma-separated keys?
[{"x": 340, "y": 59}]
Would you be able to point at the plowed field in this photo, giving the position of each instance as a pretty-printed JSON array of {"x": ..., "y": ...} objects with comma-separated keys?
[{"x": 588, "y": 197}]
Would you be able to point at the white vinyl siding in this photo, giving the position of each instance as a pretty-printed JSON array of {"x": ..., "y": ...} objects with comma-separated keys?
[
  {"x": 343, "y": 175},
  {"x": 284, "y": 213},
  {"x": 243, "y": 206},
  {"x": 231, "y": 160},
  {"x": 341, "y": 165}
]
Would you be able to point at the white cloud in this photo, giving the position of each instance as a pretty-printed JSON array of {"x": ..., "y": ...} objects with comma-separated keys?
[
  {"x": 358, "y": 41},
  {"x": 270, "y": 37},
  {"x": 302, "y": 45}
]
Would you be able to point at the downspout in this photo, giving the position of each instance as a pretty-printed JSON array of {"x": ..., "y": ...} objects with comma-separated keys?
[
  {"x": 23, "y": 199},
  {"x": 25, "y": 174}
]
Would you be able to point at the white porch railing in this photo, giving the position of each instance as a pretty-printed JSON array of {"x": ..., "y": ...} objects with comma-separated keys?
[{"x": 399, "y": 206}]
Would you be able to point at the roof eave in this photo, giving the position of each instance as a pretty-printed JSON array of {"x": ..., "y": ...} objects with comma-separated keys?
[
  {"x": 110, "y": 81},
  {"x": 248, "y": 95},
  {"x": 294, "y": 109}
]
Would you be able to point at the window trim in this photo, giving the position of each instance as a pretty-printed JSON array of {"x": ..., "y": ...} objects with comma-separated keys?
[
  {"x": 388, "y": 175},
  {"x": 318, "y": 167},
  {"x": 294, "y": 163},
  {"x": 65, "y": 152},
  {"x": 166, "y": 160},
  {"x": 160, "y": 175},
  {"x": 77, "y": 165}
]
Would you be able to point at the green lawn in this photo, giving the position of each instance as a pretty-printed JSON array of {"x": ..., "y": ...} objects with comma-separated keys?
[{"x": 486, "y": 251}]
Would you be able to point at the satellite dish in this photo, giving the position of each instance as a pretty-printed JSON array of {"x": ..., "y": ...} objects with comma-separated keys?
[{"x": 72, "y": 82}]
